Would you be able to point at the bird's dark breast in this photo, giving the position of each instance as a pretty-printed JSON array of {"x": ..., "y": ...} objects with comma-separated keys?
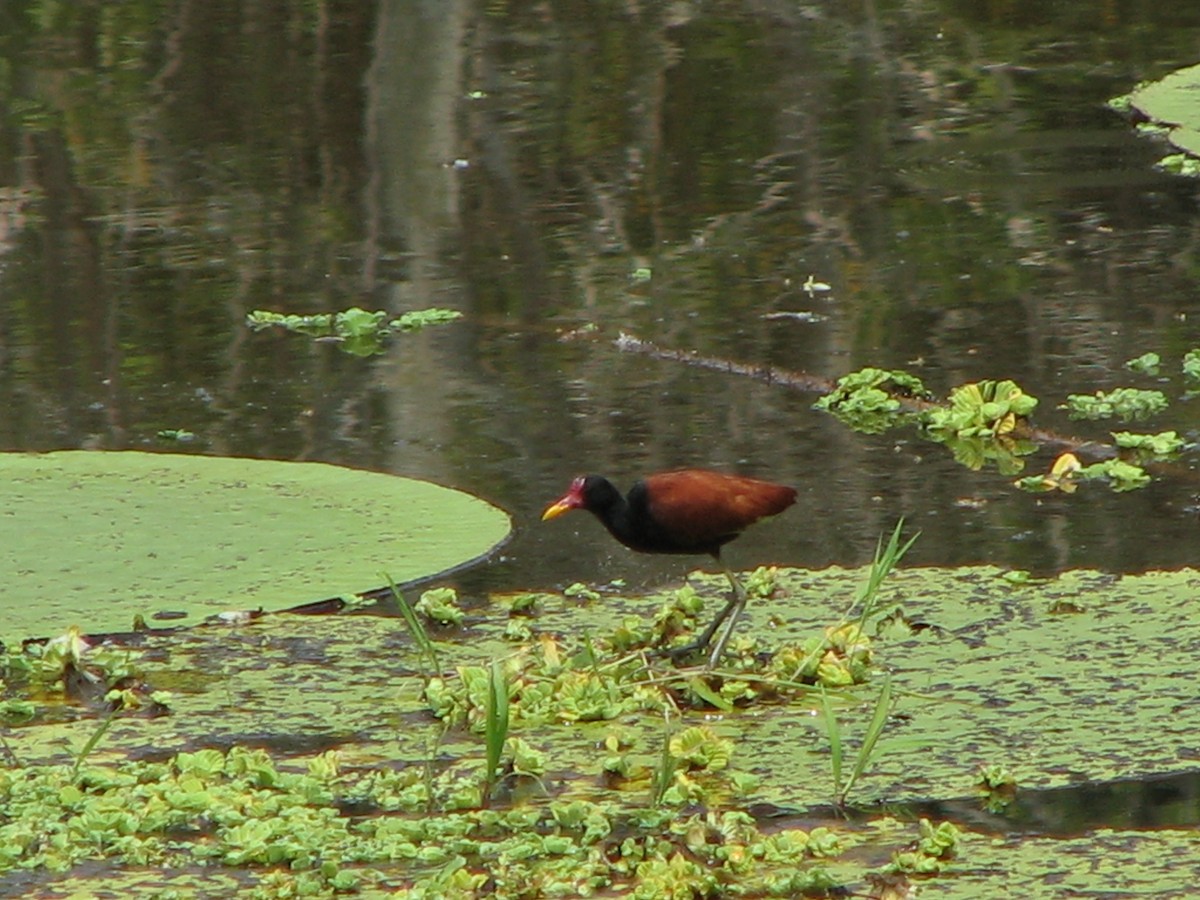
[{"x": 649, "y": 537}]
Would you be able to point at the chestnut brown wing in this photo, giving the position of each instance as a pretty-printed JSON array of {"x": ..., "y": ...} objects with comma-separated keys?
[{"x": 705, "y": 509}]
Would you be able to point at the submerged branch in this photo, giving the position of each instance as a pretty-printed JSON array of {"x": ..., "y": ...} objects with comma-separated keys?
[
  {"x": 803, "y": 381},
  {"x": 627, "y": 343}
]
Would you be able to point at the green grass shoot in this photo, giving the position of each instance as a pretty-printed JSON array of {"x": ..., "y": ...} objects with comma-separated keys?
[
  {"x": 664, "y": 773},
  {"x": 419, "y": 635},
  {"x": 495, "y": 726}
]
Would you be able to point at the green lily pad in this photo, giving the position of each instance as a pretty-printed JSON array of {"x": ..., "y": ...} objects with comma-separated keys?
[
  {"x": 1174, "y": 102},
  {"x": 93, "y": 538}
]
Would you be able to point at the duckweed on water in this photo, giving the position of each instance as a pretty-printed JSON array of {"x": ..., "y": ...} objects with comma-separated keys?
[
  {"x": 238, "y": 809},
  {"x": 635, "y": 783}
]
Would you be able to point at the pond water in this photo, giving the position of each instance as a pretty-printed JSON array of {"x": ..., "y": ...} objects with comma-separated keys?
[
  {"x": 566, "y": 172},
  {"x": 676, "y": 171}
]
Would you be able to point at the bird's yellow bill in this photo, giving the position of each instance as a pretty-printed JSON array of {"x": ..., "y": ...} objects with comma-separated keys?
[{"x": 555, "y": 510}]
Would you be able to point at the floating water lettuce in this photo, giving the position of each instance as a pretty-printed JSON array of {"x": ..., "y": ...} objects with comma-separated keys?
[
  {"x": 1124, "y": 403},
  {"x": 359, "y": 331},
  {"x": 866, "y": 400}
]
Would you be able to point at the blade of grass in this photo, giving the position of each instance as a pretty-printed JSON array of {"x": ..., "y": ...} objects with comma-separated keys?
[
  {"x": 834, "y": 731},
  {"x": 104, "y": 725},
  {"x": 665, "y": 772},
  {"x": 887, "y": 557},
  {"x": 883, "y": 706},
  {"x": 495, "y": 726},
  {"x": 419, "y": 635}
]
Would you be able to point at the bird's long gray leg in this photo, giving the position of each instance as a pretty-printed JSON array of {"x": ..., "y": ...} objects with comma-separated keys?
[{"x": 732, "y": 611}]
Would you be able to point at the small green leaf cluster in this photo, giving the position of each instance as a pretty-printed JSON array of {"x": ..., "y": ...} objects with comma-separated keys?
[
  {"x": 1146, "y": 364},
  {"x": 983, "y": 409},
  {"x": 360, "y": 331},
  {"x": 866, "y": 400},
  {"x": 245, "y": 810},
  {"x": 936, "y": 847},
  {"x": 1122, "y": 103},
  {"x": 1180, "y": 164},
  {"x": 997, "y": 787},
  {"x": 978, "y": 425},
  {"x": 678, "y": 615},
  {"x": 839, "y": 658},
  {"x": 1124, "y": 403},
  {"x": 581, "y": 591},
  {"x": 700, "y": 747},
  {"x": 544, "y": 689},
  {"x": 1157, "y": 446},
  {"x": 440, "y": 605},
  {"x": 1191, "y": 365},
  {"x": 1120, "y": 476}
]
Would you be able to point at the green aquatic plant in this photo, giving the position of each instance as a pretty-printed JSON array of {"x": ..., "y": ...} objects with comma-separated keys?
[
  {"x": 1191, "y": 365},
  {"x": 580, "y": 591},
  {"x": 84, "y": 751},
  {"x": 842, "y": 783},
  {"x": 845, "y": 660},
  {"x": 523, "y": 603},
  {"x": 997, "y": 788},
  {"x": 677, "y": 616},
  {"x": 1068, "y": 472},
  {"x": 936, "y": 846},
  {"x": 1180, "y": 164},
  {"x": 981, "y": 425},
  {"x": 1124, "y": 403},
  {"x": 177, "y": 435},
  {"x": 699, "y": 747},
  {"x": 495, "y": 729},
  {"x": 1146, "y": 364},
  {"x": 415, "y": 627},
  {"x": 158, "y": 534},
  {"x": 867, "y": 400},
  {"x": 664, "y": 772},
  {"x": 839, "y": 657},
  {"x": 375, "y": 810},
  {"x": 984, "y": 409},
  {"x": 883, "y": 564},
  {"x": 1158, "y": 446},
  {"x": 616, "y": 763},
  {"x": 546, "y": 688},
  {"x": 1120, "y": 475},
  {"x": 986, "y": 423},
  {"x": 440, "y": 605},
  {"x": 358, "y": 331},
  {"x": 1061, "y": 477}
]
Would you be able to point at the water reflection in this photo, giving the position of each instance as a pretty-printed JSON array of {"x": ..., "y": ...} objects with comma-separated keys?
[{"x": 673, "y": 171}]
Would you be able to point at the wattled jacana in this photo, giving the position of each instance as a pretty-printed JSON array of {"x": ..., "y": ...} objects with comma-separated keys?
[{"x": 687, "y": 511}]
